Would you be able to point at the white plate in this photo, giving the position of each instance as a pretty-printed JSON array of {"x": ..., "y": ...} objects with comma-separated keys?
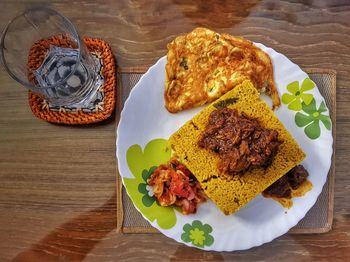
[{"x": 145, "y": 121}]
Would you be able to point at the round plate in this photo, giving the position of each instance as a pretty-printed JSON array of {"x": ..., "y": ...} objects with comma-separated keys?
[{"x": 142, "y": 134}]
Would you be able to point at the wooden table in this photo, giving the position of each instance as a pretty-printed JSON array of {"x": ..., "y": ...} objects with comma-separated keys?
[{"x": 57, "y": 183}]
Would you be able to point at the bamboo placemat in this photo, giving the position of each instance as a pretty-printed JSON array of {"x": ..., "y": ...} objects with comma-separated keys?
[{"x": 319, "y": 219}]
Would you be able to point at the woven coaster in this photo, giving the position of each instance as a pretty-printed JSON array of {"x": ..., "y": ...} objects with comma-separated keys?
[
  {"x": 319, "y": 218},
  {"x": 103, "y": 103}
]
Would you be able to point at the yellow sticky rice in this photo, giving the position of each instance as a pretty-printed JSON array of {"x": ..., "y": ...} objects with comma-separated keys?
[{"x": 228, "y": 192}]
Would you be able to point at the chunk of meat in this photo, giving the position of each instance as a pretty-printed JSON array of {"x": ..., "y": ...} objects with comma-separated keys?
[
  {"x": 297, "y": 176},
  {"x": 279, "y": 189},
  {"x": 240, "y": 141},
  {"x": 283, "y": 187}
]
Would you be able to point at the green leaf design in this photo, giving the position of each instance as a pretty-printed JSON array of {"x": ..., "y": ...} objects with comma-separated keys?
[
  {"x": 209, "y": 240},
  {"x": 147, "y": 200},
  {"x": 293, "y": 87},
  {"x": 207, "y": 228},
  {"x": 198, "y": 237},
  {"x": 307, "y": 85},
  {"x": 145, "y": 175},
  {"x": 302, "y": 120},
  {"x": 142, "y": 188},
  {"x": 323, "y": 107},
  {"x": 156, "y": 152},
  {"x": 311, "y": 108},
  {"x": 326, "y": 121},
  {"x": 186, "y": 237},
  {"x": 151, "y": 170},
  {"x": 307, "y": 98},
  {"x": 198, "y": 234},
  {"x": 187, "y": 227},
  {"x": 313, "y": 130},
  {"x": 295, "y": 105},
  {"x": 287, "y": 98},
  {"x": 135, "y": 160},
  {"x": 299, "y": 100},
  {"x": 298, "y": 96},
  {"x": 197, "y": 223}
]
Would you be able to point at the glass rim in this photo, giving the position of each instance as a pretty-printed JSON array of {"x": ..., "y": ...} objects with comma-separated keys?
[{"x": 2, "y": 47}]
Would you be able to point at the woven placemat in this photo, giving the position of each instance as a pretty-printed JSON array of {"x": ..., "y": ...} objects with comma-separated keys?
[
  {"x": 105, "y": 103},
  {"x": 319, "y": 219}
]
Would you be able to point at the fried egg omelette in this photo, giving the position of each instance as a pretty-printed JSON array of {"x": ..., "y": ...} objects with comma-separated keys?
[{"x": 203, "y": 65}]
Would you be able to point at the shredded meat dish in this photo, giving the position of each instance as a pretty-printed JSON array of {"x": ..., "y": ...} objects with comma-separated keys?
[
  {"x": 174, "y": 184},
  {"x": 240, "y": 141},
  {"x": 283, "y": 187}
]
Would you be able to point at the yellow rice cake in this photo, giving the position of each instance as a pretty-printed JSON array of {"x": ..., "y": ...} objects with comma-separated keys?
[{"x": 228, "y": 192}]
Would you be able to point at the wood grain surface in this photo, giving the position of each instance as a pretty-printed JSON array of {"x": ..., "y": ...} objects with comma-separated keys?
[{"x": 57, "y": 183}]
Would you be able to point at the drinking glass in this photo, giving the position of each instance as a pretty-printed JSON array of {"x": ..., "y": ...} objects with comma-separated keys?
[{"x": 42, "y": 50}]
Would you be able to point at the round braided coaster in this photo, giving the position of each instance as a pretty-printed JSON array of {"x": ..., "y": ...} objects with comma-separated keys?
[{"x": 40, "y": 107}]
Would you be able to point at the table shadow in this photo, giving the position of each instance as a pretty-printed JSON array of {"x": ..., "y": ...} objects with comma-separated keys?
[
  {"x": 185, "y": 253},
  {"x": 73, "y": 240},
  {"x": 216, "y": 14}
]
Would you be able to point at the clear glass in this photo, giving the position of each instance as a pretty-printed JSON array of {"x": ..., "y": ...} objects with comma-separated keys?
[{"x": 63, "y": 74}]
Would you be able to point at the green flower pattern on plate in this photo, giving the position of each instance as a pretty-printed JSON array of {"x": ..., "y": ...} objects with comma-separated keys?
[
  {"x": 198, "y": 234},
  {"x": 297, "y": 95},
  {"x": 141, "y": 163},
  {"x": 298, "y": 100},
  {"x": 311, "y": 120},
  {"x": 144, "y": 188}
]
